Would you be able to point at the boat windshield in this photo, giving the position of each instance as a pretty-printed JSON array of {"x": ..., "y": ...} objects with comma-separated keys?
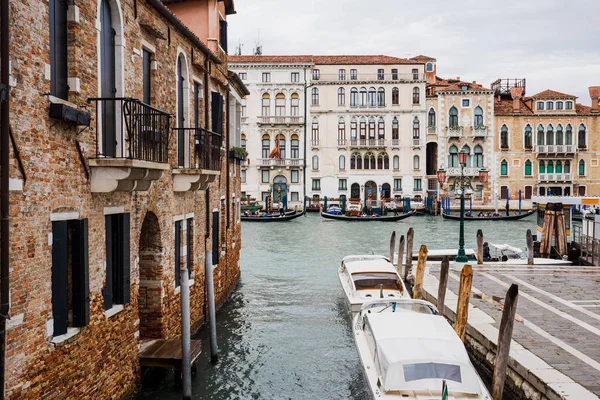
[
  {"x": 414, "y": 372},
  {"x": 374, "y": 280}
]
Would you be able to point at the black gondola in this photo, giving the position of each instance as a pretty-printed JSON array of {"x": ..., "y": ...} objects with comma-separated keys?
[
  {"x": 382, "y": 218},
  {"x": 486, "y": 218},
  {"x": 272, "y": 217}
]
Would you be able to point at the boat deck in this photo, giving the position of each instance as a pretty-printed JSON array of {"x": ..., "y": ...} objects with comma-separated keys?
[{"x": 557, "y": 328}]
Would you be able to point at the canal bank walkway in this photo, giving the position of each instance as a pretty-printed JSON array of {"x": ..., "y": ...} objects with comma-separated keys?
[{"x": 556, "y": 337}]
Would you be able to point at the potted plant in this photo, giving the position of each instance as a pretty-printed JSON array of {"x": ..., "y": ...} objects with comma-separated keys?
[{"x": 238, "y": 153}]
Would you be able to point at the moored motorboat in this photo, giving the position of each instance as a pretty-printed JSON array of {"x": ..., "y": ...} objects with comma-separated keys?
[
  {"x": 368, "y": 277},
  {"x": 274, "y": 217},
  {"x": 408, "y": 351},
  {"x": 490, "y": 218},
  {"x": 384, "y": 218}
]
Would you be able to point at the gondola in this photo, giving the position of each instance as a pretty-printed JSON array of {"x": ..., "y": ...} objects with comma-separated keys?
[
  {"x": 383, "y": 218},
  {"x": 486, "y": 218},
  {"x": 272, "y": 217}
]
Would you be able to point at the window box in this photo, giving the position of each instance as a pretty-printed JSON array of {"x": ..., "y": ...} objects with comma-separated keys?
[
  {"x": 70, "y": 114},
  {"x": 238, "y": 153}
]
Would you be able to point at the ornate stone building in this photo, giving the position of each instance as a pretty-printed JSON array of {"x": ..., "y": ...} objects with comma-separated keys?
[{"x": 121, "y": 118}]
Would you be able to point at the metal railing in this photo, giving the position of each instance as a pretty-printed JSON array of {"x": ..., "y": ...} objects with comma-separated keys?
[
  {"x": 205, "y": 148},
  {"x": 557, "y": 149},
  {"x": 454, "y": 131},
  {"x": 129, "y": 128},
  {"x": 556, "y": 177},
  {"x": 244, "y": 120},
  {"x": 590, "y": 247},
  {"x": 286, "y": 120},
  {"x": 367, "y": 143},
  {"x": 315, "y": 142}
]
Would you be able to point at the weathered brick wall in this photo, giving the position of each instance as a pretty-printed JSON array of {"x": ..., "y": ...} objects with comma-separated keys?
[{"x": 101, "y": 360}]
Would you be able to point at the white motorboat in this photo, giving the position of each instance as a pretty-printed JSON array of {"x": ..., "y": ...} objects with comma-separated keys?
[
  {"x": 369, "y": 277},
  {"x": 408, "y": 351}
]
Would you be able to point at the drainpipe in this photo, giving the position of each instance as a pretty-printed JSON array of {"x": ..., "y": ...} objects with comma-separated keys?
[
  {"x": 4, "y": 231},
  {"x": 206, "y": 116}
]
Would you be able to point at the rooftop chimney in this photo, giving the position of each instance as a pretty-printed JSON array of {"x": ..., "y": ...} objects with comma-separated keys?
[
  {"x": 516, "y": 93},
  {"x": 595, "y": 95}
]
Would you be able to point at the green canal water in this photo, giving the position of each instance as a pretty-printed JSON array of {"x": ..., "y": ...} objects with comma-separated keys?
[{"x": 284, "y": 333}]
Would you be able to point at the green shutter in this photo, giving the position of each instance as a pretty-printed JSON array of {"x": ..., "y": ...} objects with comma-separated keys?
[
  {"x": 59, "y": 277},
  {"x": 215, "y": 238},
  {"x": 177, "y": 253},
  {"x": 108, "y": 287},
  {"x": 80, "y": 273},
  {"x": 125, "y": 259}
]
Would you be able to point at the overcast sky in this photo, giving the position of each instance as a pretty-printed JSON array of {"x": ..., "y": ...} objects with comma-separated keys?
[{"x": 553, "y": 44}]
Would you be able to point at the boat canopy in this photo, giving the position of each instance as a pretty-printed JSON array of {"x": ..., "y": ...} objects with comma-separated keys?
[
  {"x": 416, "y": 351},
  {"x": 356, "y": 264},
  {"x": 506, "y": 247}
]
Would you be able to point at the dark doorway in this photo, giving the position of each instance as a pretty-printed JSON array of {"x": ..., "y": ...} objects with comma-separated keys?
[
  {"x": 279, "y": 188},
  {"x": 431, "y": 164},
  {"x": 503, "y": 192},
  {"x": 528, "y": 192},
  {"x": 387, "y": 191},
  {"x": 371, "y": 188},
  {"x": 355, "y": 191},
  {"x": 108, "y": 87}
]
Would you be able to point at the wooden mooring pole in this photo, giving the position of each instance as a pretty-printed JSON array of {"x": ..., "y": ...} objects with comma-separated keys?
[
  {"x": 479, "y": 247},
  {"x": 409, "y": 252},
  {"x": 400, "y": 254},
  {"x": 418, "y": 287},
  {"x": 529, "y": 247},
  {"x": 504, "y": 339},
  {"x": 462, "y": 307},
  {"x": 392, "y": 246},
  {"x": 443, "y": 284}
]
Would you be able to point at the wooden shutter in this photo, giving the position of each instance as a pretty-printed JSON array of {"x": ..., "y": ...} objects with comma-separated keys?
[
  {"x": 223, "y": 34},
  {"x": 217, "y": 112},
  {"x": 177, "y": 252},
  {"x": 59, "y": 277},
  {"x": 125, "y": 259},
  {"x": 58, "y": 49},
  {"x": 108, "y": 287},
  {"x": 215, "y": 238},
  {"x": 80, "y": 272}
]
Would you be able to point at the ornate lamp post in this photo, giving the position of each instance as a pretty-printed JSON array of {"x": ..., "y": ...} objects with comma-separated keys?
[{"x": 462, "y": 256}]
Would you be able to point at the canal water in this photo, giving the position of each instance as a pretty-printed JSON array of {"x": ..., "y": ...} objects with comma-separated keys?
[{"x": 284, "y": 333}]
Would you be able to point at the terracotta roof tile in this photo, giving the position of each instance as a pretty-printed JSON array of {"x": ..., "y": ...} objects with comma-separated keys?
[
  {"x": 552, "y": 94},
  {"x": 594, "y": 91},
  {"x": 504, "y": 106},
  {"x": 324, "y": 60},
  {"x": 453, "y": 84},
  {"x": 516, "y": 92},
  {"x": 270, "y": 59},
  {"x": 581, "y": 109},
  {"x": 421, "y": 57}
]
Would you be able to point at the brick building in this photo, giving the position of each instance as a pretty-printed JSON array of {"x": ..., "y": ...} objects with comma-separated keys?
[
  {"x": 546, "y": 144},
  {"x": 122, "y": 119}
]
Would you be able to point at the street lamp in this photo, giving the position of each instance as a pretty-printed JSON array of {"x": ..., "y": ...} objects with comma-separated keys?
[{"x": 462, "y": 256}]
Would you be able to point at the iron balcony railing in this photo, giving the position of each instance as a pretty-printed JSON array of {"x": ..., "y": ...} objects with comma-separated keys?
[
  {"x": 205, "y": 149},
  {"x": 129, "y": 128}
]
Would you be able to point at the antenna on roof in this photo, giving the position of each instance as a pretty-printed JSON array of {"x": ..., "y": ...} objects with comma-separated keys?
[
  {"x": 238, "y": 48},
  {"x": 257, "y": 51}
]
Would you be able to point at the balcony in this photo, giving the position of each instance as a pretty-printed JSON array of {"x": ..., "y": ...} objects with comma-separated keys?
[
  {"x": 244, "y": 120},
  {"x": 562, "y": 177},
  {"x": 557, "y": 149},
  {"x": 479, "y": 131},
  {"x": 294, "y": 163},
  {"x": 395, "y": 143},
  {"x": 342, "y": 144},
  {"x": 132, "y": 144},
  {"x": 454, "y": 131},
  {"x": 431, "y": 130},
  {"x": 199, "y": 160},
  {"x": 381, "y": 77},
  {"x": 280, "y": 120},
  {"x": 315, "y": 143},
  {"x": 468, "y": 171},
  {"x": 416, "y": 142},
  {"x": 367, "y": 143}
]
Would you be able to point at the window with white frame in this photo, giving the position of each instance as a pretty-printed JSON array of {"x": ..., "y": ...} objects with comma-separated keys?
[
  {"x": 280, "y": 105},
  {"x": 342, "y": 74},
  {"x": 540, "y": 105},
  {"x": 397, "y": 185},
  {"x": 266, "y": 77},
  {"x": 353, "y": 97},
  {"x": 265, "y": 176},
  {"x": 380, "y": 74},
  {"x": 353, "y": 75},
  {"x": 316, "y": 74},
  {"x": 316, "y": 184},
  {"x": 266, "y": 105},
  {"x": 466, "y": 102},
  {"x": 394, "y": 74},
  {"x": 342, "y": 184},
  {"x": 417, "y": 185},
  {"x": 295, "y": 77},
  {"x": 416, "y": 162},
  {"x": 341, "y": 96},
  {"x": 295, "y": 176},
  {"x": 416, "y": 97},
  {"x": 315, "y": 163},
  {"x": 295, "y": 105},
  {"x": 315, "y": 96},
  {"x": 342, "y": 162},
  {"x": 550, "y": 105},
  {"x": 243, "y": 76},
  {"x": 568, "y": 105}
]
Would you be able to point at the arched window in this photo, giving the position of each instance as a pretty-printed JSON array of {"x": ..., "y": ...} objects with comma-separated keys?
[
  {"x": 453, "y": 121},
  {"x": 315, "y": 132},
  {"x": 429, "y": 67},
  {"x": 550, "y": 105},
  {"x": 372, "y": 128},
  {"x": 528, "y": 165},
  {"x": 416, "y": 162},
  {"x": 373, "y": 161},
  {"x": 363, "y": 128},
  {"x": 416, "y": 95},
  {"x": 341, "y": 131},
  {"x": 367, "y": 158},
  {"x": 581, "y": 168},
  {"x": 372, "y": 97},
  {"x": 560, "y": 140},
  {"x": 280, "y": 105},
  {"x": 353, "y": 130},
  {"x": 295, "y": 109},
  {"x": 353, "y": 97},
  {"x": 315, "y": 163},
  {"x": 266, "y": 105},
  {"x": 386, "y": 162},
  {"x": 478, "y": 151},
  {"x": 353, "y": 161},
  {"x": 380, "y": 161},
  {"x": 395, "y": 96},
  {"x": 478, "y": 116},
  {"x": 558, "y": 168},
  {"x": 395, "y": 129},
  {"x": 540, "y": 105},
  {"x": 453, "y": 157},
  {"x": 243, "y": 141},
  {"x": 567, "y": 167},
  {"x": 550, "y": 167},
  {"x": 540, "y": 135},
  {"x": 416, "y": 128},
  {"x": 358, "y": 161},
  {"x": 342, "y": 162},
  {"x": 542, "y": 167},
  {"x": 396, "y": 162},
  {"x": 281, "y": 146},
  {"x": 550, "y": 135},
  {"x": 568, "y": 135},
  {"x": 504, "y": 168},
  {"x": 363, "y": 96},
  {"x": 381, "y": 97},
  {"x": 315, "y": 96},
  {"x": 527, "y": 137},
  {"x": 581, "y": 142},
  {"x": 341, "y": 96},
  {"x": 431, "y": 118},
  {"x": 381, "y": 128},
  {"x": 467, "y": 149},
  {"x": 504, "y": 137},
  {"x": 266, "y": 146},
  {"x": 295, "y": 146}
]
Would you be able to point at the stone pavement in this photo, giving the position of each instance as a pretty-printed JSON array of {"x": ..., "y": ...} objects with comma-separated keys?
[{"x": 558, "y": 316}]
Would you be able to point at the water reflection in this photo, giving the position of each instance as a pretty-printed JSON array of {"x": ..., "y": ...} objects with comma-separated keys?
[{"x": 285, "y": 333}]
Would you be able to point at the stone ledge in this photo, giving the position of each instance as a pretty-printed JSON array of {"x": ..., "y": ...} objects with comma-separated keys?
[
  {"x": 192, "y": 179},
  {"x": 123, "y": 174}
]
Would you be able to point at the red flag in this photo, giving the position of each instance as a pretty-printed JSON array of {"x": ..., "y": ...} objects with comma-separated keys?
[{"x": 275, "y": 152}]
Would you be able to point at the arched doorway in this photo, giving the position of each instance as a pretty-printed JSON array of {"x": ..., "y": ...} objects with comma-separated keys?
[
  {"x": 279, "y": 187},
  {"x": 431, "y": 166},
  {"x": 387, "y": 191},
  {"x": 355, "y": 191},
  {"x": 371, "y": 188},
  {"x": 151, "y": 274}
]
